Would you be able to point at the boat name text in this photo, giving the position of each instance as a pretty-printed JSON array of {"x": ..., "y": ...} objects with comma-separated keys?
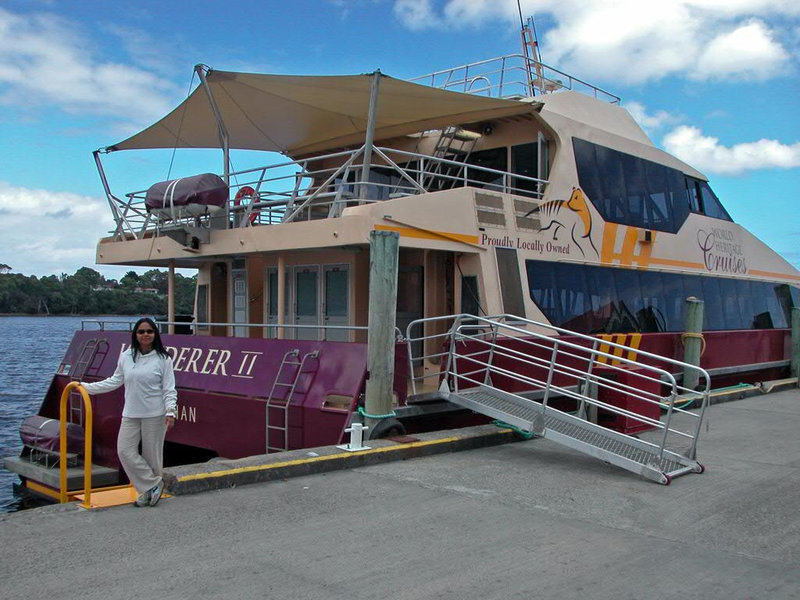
[
  {"x": 722, "y": 252},
  {"x": 211, "y": 361}
]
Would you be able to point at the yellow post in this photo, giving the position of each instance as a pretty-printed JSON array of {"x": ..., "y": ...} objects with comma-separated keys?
[{"x": 87, "y": 445}]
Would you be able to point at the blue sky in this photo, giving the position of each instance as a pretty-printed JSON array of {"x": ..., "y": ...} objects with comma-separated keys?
[{"x": 715, "y": 82}]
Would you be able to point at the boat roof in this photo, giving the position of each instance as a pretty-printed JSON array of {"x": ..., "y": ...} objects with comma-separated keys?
[{"x": 301, "y": 114}]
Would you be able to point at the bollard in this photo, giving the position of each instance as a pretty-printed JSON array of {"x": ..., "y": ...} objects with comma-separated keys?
[
  {"x": 795, "y": 364},
  {"x": 693, "y": 342},
  {"x": 356, "y": 431}
]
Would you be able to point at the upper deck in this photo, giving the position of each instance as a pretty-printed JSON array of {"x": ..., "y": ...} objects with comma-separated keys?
[{"x": 417, "y": 154}]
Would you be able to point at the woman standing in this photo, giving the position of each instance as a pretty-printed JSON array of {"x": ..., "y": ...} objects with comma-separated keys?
[{"x": 145, "y": 369}]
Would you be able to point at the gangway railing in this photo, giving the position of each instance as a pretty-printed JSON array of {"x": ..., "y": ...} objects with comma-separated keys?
[{"x": 560, "y": 385}]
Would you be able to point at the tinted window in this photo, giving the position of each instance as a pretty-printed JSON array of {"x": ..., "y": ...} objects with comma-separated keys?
[
  {"x": 632, "y": 191},
  {"x": 614, "y": 300},
  {"x": 524, "y": 161},
  {"x": 510, "y": 284}
]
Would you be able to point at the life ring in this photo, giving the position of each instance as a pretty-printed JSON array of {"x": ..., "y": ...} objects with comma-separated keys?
[{"x": 247, "y": 192}]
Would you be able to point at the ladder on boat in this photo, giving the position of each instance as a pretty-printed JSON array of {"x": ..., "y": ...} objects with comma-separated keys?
[
  {"x": 564, "y": 388},
  {"x": 283, "y": 391},
  {"x": 454, "y": 143},
  {"x": 92, "y": 348}
]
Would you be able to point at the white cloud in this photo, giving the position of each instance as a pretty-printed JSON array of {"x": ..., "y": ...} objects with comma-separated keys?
[
  {"x": 723, "y": 57},
  {"x": 651, "y": 123},
  {"x": 43, "y": 60},
  {"x": 416, "y": 14},
  {"x": 631, "y": 41},
  {"x": 708, "y": 155},
  {"x": 47, "y": 232}
]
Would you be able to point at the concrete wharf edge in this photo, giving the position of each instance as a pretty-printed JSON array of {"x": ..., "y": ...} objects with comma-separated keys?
[
  {"x": 224, "y": 473},
  {"x": 227, "y": 473}
]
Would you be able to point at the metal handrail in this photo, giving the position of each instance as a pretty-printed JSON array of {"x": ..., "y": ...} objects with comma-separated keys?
[
  {"x": 481, "y": 362},
  {"x": 102, "y": 325},
  {"x": 63, "y": 491},
  {"x": 508, "y": 77},
  {"x": 310, "y": 188}
]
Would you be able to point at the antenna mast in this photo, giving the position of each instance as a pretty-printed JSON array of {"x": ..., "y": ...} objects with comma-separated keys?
[{"x": 530, "y": 49}]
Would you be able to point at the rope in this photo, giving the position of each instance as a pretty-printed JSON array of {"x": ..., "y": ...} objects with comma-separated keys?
[
  {"x": 180, "y": 127},
  {"x": 525, "y": 434},
  {"x": 364, "y": 413},
  {"x": 697, "y": 336}
]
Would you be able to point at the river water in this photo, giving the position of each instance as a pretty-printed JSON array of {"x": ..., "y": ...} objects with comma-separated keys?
[{"x": 31, "y": 349}]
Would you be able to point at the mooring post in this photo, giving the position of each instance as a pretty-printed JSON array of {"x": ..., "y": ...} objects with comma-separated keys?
[
  {"x": 795, "y": 364},
  {"x": 383, "y": 253},
  {"x": 693, "y": 341}
]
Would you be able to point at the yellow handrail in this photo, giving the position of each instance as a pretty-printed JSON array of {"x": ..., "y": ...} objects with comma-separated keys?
[{"x": 87, "y": 447}]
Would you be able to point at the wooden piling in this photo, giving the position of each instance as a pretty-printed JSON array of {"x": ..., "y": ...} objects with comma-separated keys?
[
  {"x": 693, "y": 341},
  {"x": 384, "y": 251}
]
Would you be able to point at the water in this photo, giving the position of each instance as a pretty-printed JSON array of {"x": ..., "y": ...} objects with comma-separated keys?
[{"x": 31, "y": 349}]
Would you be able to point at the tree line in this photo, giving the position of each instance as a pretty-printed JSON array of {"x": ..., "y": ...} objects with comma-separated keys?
[{"x": 87, "y": 292}]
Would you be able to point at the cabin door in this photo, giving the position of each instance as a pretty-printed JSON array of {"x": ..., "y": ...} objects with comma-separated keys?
[
  {"x": 336, "y": 305},
  {"x": 307, "y": 301},
  {"x": 410, "y": 298},
  {"x": 240, "y": 303}
]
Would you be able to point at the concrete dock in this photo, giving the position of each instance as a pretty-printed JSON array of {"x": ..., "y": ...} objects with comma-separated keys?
[{"x": 518, "y": 520}]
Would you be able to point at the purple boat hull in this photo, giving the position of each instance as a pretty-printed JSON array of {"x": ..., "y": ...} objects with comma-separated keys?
[{"x": 224, "y": 388}]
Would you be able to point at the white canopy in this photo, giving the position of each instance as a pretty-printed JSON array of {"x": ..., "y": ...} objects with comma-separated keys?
[{"x": 297, "y": 115}]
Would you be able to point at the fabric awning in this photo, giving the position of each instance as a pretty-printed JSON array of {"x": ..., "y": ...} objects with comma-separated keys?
[{"x": 297, "y": 115}]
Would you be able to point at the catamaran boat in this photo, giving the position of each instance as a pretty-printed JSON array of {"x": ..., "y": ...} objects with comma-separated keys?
[{"x": 499, "y": 240}]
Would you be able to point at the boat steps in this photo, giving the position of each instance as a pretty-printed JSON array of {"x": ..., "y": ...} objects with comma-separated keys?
[
  {"x": 50, "y": 476},
  {"x": 617, "y": 448}
]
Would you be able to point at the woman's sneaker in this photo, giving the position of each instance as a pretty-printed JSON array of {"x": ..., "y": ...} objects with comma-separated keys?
[
  {"x": 143, "y": 499},
  {"x": 155, "y": 493}
]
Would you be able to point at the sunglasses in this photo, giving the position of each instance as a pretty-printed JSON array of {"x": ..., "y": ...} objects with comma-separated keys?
[{"x": 144, "y": 331}]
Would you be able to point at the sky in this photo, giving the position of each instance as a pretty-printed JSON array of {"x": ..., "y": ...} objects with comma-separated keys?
[{"x": 714, "y": 82}]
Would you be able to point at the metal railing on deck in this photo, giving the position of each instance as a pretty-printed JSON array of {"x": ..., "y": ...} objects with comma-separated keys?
[
  {"x": 510, "y": 76},
  {"x": 323, "y": 186},
  {"x": 270, "y": 329},
  {"x": 541, "y": 362}
]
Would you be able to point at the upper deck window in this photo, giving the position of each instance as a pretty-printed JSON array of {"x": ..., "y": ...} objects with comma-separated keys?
[
  {"x": 703, "y": 200},
  {"x": 630, "y": 190}
]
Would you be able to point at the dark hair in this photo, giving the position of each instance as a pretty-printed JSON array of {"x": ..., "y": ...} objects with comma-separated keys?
[{"x": 158, "y": 345}]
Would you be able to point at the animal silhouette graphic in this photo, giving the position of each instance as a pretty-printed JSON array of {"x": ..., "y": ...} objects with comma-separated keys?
[{"x": 572, "y": 216}]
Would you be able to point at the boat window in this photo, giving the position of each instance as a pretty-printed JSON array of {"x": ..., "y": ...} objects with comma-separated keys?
[
  {"x": 632, "y": 191},
  {"x": 202, "y": 306},
  {"x": 525, "y": 162},
  {"x": 711, "y": 204},
  {"x": 470, "y": 298},
  {"x": 510, "y": 282},
  {"x": 776, "y": 308},
  {"x": 591, "y": 299},
  {"x": 494, "y": 158}
]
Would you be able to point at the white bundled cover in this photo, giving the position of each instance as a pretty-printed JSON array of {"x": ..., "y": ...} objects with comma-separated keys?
[{"x": 187, "y": 197}]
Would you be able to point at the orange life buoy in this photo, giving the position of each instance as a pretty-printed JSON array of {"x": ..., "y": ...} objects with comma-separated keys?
[{"x": 247, "y": 192}]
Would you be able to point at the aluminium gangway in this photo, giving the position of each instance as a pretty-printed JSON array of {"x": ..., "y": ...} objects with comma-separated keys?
[{"x": 559, "y": 386}]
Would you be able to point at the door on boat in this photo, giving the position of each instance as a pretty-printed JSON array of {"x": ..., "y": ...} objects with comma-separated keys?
[
  {"x": 310, "y": 301},
  {"x": 306, "y": 306},
  {"x": 240, "y": 299},
  {"x": 410, "y": 298},
  {"x": 336, "y": 304}
]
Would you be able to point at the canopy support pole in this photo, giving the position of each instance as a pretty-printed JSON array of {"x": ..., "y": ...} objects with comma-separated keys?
[
  {"x": 223, "y": 132},
  {"x": 109, "y": 196},
  {"x": 370, "y": 133}
]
